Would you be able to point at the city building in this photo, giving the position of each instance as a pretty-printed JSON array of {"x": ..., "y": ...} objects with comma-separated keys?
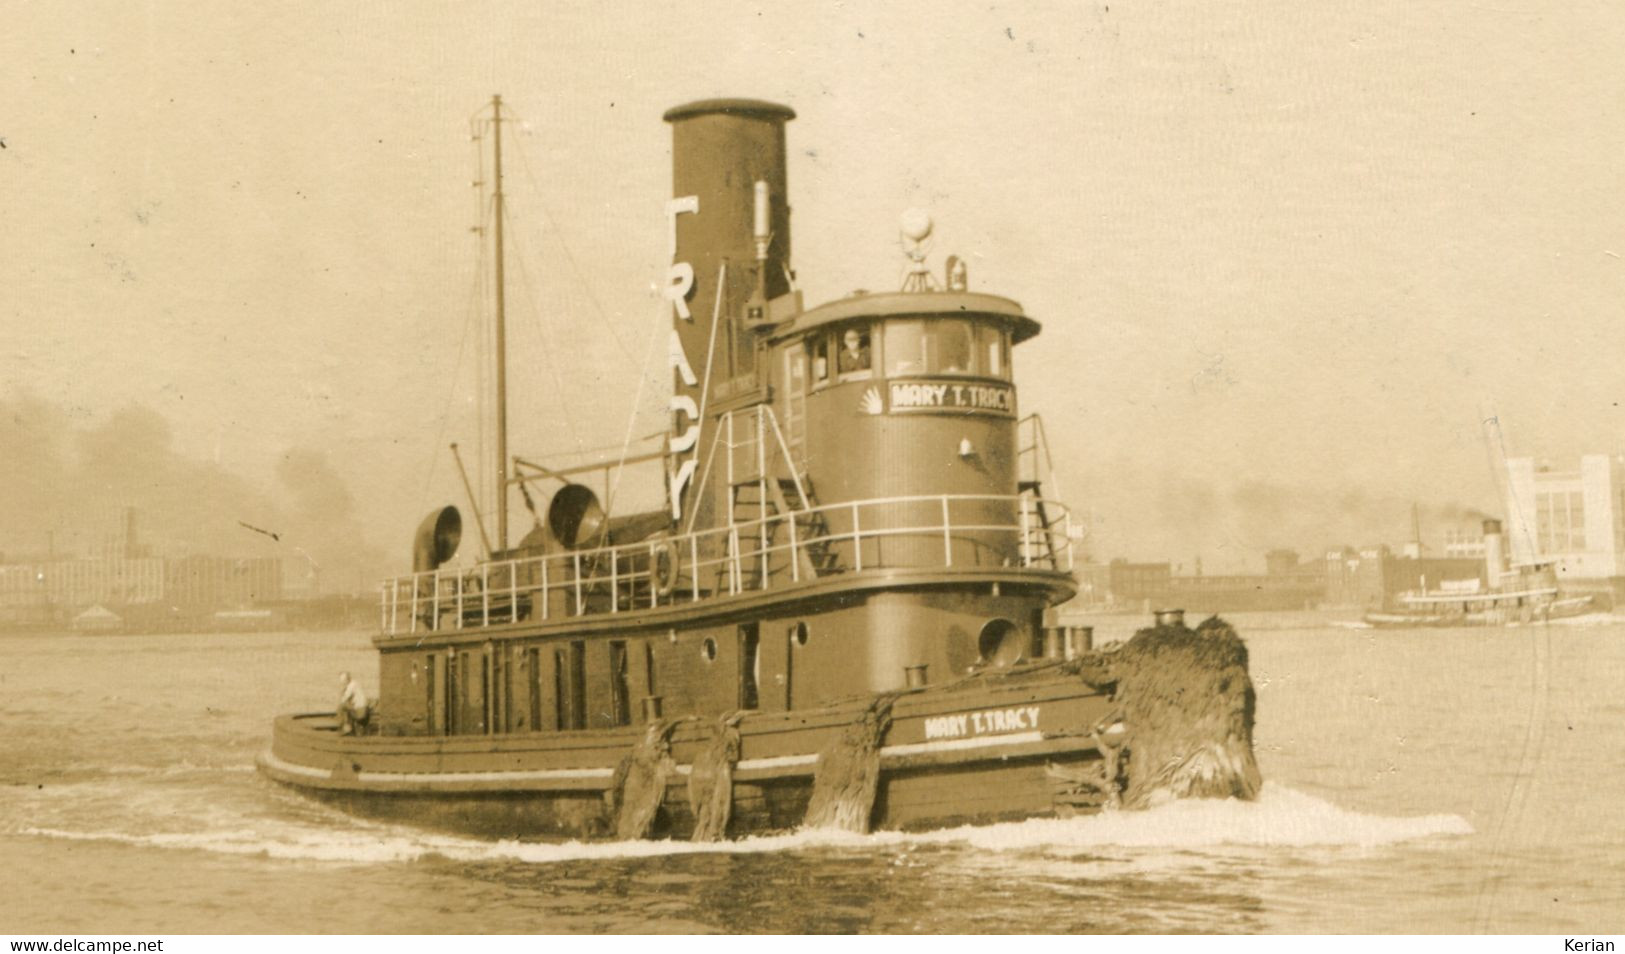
[
  {"x": 1282, "y": 563},
  {"x": 224, "y": 582},
  {"x": 1572, "y": 519},
  {"x": 1134, "y": 583},
  {"x": 1287, "y": 584},
  {"x": 99, "y": 573},
  {"x": 1094, "y": 585},
  {"x": 143, "y": 592},
  {"x": 1465, "y": 542}
]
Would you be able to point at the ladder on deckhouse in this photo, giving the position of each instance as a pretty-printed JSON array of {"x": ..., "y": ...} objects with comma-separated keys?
[
  {"x": 775, "y": 531},
  {"x": 1034, "y": 464}
]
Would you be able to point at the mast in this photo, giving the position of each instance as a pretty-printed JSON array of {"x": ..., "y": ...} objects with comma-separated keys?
[{"x": 501, "y": 341}]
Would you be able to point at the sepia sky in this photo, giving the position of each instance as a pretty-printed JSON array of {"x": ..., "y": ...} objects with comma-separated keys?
[{"x": 1286, "y": 255}]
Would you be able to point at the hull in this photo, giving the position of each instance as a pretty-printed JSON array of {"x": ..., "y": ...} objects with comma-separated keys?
[
  {"x": 1566, "y": 608},
  {"x": 992, "y": 749}
]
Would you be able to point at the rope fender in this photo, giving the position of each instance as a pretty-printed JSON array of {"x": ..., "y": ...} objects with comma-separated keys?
[
  {"x": 848, "y": 773},
  {"x": 710, "y": 781}
]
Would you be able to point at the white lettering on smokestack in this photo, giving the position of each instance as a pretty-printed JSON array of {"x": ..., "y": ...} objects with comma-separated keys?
[
  {"x": 684, "y": 442},
  {"x": 679, "y": 282},
  {"x": 680, "y": 277},
  {"x": 679, "y": 360}
]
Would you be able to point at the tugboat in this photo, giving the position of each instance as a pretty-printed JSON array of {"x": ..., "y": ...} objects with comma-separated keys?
[
  {"x": 843, "y": 616},
  {"x": 1503, "y": 595}
]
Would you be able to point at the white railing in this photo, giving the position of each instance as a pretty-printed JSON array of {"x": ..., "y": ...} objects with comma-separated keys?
[{"x": 943, "y": 530}]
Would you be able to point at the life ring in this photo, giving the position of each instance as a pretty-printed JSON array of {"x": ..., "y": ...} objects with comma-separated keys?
[{"x": 665, "y": 565}]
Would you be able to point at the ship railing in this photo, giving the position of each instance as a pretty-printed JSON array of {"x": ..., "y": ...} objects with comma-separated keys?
[{"x": 949, "y": 531}]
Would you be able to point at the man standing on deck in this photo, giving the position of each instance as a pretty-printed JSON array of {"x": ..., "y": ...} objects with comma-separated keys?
[{"x": 354, "y": 708}]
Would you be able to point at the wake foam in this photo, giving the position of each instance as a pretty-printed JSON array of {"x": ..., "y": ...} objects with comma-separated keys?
[
  {"x": 1281, "y": 818},
  {"x": 1591, "y": 619}
]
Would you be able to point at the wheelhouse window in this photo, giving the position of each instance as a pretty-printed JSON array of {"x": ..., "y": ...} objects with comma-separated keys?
[
  {"x": 956, "y": 346},
  {"x": 946, "y": 346},
  {"x": 994, "y": 350},
  {"x": 819, "y": 346},
  {"x": 853, "y": 359},
  {"x": 906, "y": 350}
]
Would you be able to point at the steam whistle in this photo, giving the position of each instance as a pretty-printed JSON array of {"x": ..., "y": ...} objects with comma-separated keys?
[{"x": 756, "y": 310}]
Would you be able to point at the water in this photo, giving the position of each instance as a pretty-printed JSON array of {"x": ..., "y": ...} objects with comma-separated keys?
[{"x": 1427, "y": 781}]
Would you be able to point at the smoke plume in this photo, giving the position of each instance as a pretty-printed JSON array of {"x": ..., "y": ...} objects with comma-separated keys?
[
  {"x": 71, "y": 484},
  {"x": 1178, "y": 515}
]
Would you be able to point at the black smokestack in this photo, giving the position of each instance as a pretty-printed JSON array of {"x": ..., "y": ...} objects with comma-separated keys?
[{"x": 720, "y": 149}]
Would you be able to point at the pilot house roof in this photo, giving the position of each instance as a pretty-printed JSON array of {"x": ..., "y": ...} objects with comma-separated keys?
[{"x": 911, "y": 304}]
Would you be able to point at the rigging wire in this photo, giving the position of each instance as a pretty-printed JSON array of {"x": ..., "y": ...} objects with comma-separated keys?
[
  {"x": 705, "y": 389},
  {"x": 650, "y": 437},
  {"x": 661, "y": 310},
  {"x": 548, "y": 345},
  {"x": 475, "y": 307},
  {"x": 470, "y": 320},
  {"x": 529, "y": 289},
  {"x": 569, "y": 256}
]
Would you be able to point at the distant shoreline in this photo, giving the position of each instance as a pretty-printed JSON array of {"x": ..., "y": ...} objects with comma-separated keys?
[{"x": 55, "y": 633}]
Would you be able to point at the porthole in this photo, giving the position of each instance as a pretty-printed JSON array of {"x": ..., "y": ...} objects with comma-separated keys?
[
  {"x": 708, "y": 650},
  {"x": 1001, "y": 644},
  {"x": 798, "y": 633}
]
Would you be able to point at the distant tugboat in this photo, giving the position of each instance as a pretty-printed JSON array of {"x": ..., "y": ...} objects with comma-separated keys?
[
  {"x": 1504, "y": 596},
  {"x": 843, "y": 617}
]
